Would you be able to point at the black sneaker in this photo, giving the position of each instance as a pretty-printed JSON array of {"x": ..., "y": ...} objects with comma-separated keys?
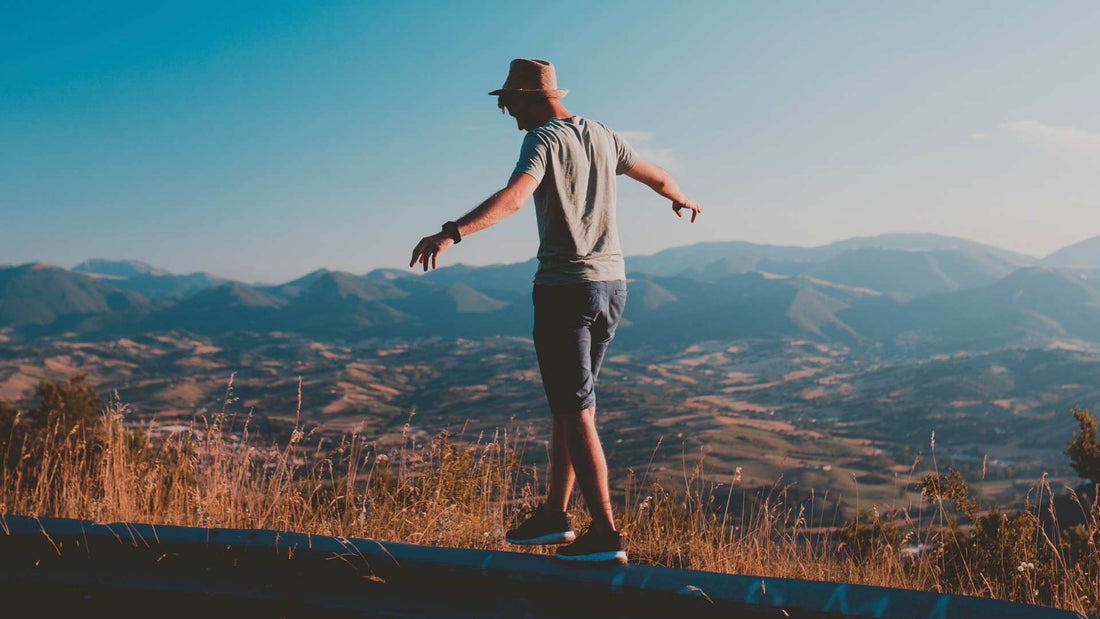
[
  {"x": 593, "y": 547},
  {"x": 542, "y": 528}
]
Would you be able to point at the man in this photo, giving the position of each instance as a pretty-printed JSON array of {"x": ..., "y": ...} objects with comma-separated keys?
[{"x": 568, "y": 164}]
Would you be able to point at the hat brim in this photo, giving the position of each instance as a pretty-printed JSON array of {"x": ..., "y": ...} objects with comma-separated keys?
[{"x": 556, "y": 93}]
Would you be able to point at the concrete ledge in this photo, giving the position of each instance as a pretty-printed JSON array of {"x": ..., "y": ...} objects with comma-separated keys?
[{"x": 65, "y": 565}]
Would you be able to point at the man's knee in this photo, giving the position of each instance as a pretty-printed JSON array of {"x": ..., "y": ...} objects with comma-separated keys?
[{"x": 583, "y": 415}]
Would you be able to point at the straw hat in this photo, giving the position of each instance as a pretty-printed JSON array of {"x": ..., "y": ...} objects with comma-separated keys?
[{"x": 531, "y": 76}]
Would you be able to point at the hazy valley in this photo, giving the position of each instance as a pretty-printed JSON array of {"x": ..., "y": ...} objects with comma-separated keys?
[{"x": 827, "y": 367}]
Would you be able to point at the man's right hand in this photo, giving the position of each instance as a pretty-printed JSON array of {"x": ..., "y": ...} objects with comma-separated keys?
[{"x": 688, "y": 203}]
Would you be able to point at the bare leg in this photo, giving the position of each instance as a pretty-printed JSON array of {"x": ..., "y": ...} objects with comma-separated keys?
[
  {"x": 590, "y": 466},
  {"x": 561, "y": 468}
]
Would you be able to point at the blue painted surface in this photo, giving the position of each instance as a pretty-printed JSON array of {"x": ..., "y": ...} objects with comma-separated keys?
[{"x": 317, "y": 574}]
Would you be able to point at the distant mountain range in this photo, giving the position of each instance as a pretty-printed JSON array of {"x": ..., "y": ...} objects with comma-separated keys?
[
  {"x": 895, "y": 291},
  {"x": 741, "y": 255},
  {"x": 149, "y": 281}
]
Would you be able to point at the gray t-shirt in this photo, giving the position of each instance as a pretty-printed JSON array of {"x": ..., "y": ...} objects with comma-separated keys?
[{"x": 575, "y": 161}]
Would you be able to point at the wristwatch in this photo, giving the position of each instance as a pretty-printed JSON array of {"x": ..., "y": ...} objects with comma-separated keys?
[{"x": 451, "y": 229}]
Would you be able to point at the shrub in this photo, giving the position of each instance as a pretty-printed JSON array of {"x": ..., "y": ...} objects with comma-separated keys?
[{"x": 1084, "y": 449}]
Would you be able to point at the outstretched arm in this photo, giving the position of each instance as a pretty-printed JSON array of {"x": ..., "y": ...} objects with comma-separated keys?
[
  {"x": 498, "y": 206},
  {"x": 662, "y": 182}
]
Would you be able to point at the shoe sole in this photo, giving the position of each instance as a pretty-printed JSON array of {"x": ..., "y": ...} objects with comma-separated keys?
[
  {"x": 611, "y": 556},
  {"x": 542, "y": 540}
]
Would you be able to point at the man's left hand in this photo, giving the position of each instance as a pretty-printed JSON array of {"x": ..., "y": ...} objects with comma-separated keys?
[{"x": 429, "y": 248}]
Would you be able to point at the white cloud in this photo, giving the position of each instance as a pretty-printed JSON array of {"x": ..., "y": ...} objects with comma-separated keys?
[
  {"x": 1070, "y": 142},
  {"x": 979, "y": 135},
  {"x": 660, "y": 156},
  {"x": 642, "y": 141},
  {"x": 637, "y": 136}
]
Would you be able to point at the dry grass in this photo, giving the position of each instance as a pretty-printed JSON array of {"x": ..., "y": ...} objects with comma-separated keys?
[{"x": 465, "y": 494}]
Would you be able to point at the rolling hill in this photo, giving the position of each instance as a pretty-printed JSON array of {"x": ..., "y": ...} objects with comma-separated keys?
[
  {"x": 146, "y": 280},
  {"x": 1033, "y": 306},
  {"x": 1085, "y": 254},
  {"x": 41, "y": 294},
  {"x": 738, "y": 306},
  {"x": 295, "y": 287},
  {"x": 338, "y": 302},
  {"x": 491, "y": 279},
  {"x": 926, "y": 242},
  {"x": 909, "y": 273},
  {"x": 226, "y": 307},
  {"x": 117, "y": 269},
  {"x": 739, "y": 256},
  {"x": 908, "y": 265}
]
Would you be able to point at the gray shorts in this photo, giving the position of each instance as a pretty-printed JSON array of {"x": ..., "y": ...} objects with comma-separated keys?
[{"x": 574, "y": 323}]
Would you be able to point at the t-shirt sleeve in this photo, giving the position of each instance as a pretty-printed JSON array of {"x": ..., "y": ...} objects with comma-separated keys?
[
  {"x": 625, "y": 152},
  {"x": 532, "y": 157}
]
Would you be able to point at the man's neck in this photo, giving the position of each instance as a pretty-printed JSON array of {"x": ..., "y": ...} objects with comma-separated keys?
[
  {"x": 559, "y": 109},
  {"x": 553, "y": 109}
]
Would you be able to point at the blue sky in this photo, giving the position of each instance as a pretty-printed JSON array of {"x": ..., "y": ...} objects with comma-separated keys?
[{"x": 261, "y": 141}]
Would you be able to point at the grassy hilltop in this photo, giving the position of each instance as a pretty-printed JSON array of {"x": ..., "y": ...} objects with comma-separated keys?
[{"x": 69, "y": 456}]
